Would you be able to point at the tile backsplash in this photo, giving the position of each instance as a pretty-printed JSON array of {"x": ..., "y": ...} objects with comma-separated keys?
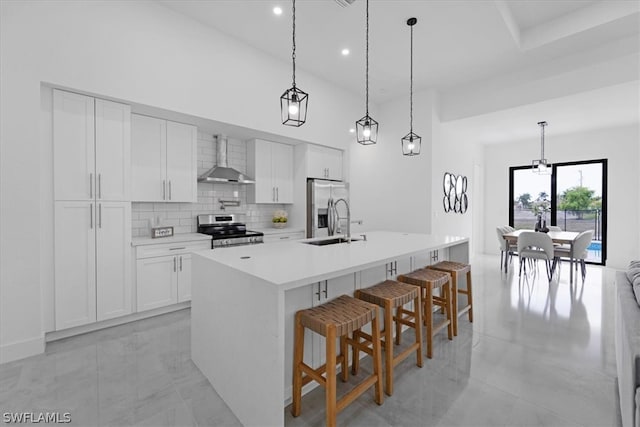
[{"x": 182, "y": 216}]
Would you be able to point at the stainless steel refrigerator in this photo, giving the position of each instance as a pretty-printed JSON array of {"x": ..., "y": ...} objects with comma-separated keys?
[{"x": 324, "y": 217}]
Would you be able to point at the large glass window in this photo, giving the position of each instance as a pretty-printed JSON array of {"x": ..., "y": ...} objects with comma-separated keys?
[{"x": 573, "y": 198}]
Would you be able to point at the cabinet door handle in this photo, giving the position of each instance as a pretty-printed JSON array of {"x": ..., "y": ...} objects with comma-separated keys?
[
  {"x": 91, "y": 216},
  {"x": 174, "y": 264},
  {"x": 100, "y": 215},
  {"x": 99, "y": 186},
  {"x": 180, "y": 263},
  {"x": 326, "y": 293},
  {"x": 164, "y": 190},
  {"x": 277, "y": 194},
  {"x": 318, "y": 293},
  {"x": 273, "y": 194},
  {"x": 91, "y": 185},
  {"x": 169, "y": 189}
]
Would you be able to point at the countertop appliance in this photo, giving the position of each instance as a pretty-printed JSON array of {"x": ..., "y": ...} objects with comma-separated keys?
[
  {"x": 323, "y": 216},
  {"x": 225, "y": 231}
]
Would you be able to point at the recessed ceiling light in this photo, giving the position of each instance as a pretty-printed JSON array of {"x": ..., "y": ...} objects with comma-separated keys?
[
  {"x": 277, "y": 10},
  {"x": 352, "y": 130},
  {"x": 345, "y": 52}
]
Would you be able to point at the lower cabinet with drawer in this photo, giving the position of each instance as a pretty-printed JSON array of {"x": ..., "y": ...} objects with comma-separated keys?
[
  {"x": 283, "y": 237},
  {"x": 163, "y": 273}
]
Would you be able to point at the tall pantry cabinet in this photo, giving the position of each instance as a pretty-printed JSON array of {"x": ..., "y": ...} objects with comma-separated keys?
[{"x": 92, "y": 173}]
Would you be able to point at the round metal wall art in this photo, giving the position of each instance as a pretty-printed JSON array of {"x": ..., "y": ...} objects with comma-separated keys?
[{"x": 455, "y": 193}]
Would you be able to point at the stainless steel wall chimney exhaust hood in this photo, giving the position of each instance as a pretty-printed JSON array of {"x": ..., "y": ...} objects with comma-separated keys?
[{"x": 221, "y": 172}]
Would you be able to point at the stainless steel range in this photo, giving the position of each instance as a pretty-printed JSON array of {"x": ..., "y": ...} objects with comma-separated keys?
[{"x": 225, "y": 231}]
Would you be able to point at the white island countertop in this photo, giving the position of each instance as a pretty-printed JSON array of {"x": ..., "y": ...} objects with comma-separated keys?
[{"x": 296, "y": 264}]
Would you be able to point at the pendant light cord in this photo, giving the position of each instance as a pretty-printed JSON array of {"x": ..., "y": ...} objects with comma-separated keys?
[
  {"x": 293, "y": 53},
  {"x": 411, "y": 85},
  {"x": 367, "y": 64}
]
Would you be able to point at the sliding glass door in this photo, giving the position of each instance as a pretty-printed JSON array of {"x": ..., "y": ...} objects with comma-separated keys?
[{"x": 573, "y": 197}]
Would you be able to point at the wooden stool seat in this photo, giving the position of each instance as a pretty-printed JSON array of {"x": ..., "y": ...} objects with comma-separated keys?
[
  {"x": 428, "y": 280},
  {"x": 344, "y": 313},
  {"x": 392, "y": 295},
  {"x": 337, "y": 318},
  {"x": 457, "y": 269}
]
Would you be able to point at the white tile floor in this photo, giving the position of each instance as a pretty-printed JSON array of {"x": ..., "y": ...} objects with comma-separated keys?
[{"x": 536, "y": 354}]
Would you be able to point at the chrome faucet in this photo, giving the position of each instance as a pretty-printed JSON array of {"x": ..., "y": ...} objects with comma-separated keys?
[{"x": 335, "y": 208}]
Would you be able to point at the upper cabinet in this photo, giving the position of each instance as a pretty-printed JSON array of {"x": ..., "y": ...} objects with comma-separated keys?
[
  {"x": 324, "y": 163},
  {"x": 91, "y": 155},
  {"x": 163, "y": 157},
  {"x": 271, "y": 164}
]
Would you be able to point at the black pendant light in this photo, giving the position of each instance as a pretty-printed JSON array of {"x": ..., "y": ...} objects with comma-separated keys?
[
  {"x": 366, "y": 127},
  {"x": 541, "y": 166},
  {"x": 293, "y": 102},
  {"x": 411, "y": 142}
]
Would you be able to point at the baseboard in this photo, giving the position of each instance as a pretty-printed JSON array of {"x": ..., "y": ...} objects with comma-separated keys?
[
  {"x": 78, "y": 330},
  {"x": 21, "y": 349}
]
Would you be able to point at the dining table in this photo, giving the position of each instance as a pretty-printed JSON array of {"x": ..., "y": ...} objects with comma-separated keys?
[{"x": 558, "y": 237}]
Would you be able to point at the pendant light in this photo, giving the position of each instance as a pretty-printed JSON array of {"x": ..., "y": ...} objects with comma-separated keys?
[
  {"x": 367, "y": 128},
  {"x": 541, "y": 166},
  {"x": 411, "y": 142},
  {"x": 293, "y": 102}
]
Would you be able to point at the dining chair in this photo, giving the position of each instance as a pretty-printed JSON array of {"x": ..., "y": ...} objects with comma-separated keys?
[
  {"x": 576, "y": 252},
  {"x": 506, "y": 250},
  {"x": 556, "y": 228},
  {"x": 534, "y": 245}
]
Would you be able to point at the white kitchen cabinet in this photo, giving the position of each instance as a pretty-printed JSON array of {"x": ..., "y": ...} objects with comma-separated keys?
[
  {"x": 324, "y": 163},
  {"x": 92, "y": 262},
  {"x": 163, "y": 157},
  {"x": 184, "y": 278},
  {"x": 283, "y": 237},
  {"x": 156, "y": 282},
  {"x": 91, "y": 139},
  {"x": 163, "y": 273},
  {"x": 75, "y": 267},
  {"x": 113, "y": 260},
  {"x": 271, "y": 164}
]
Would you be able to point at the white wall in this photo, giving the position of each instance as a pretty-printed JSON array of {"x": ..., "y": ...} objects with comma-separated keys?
[
  {"x": 131, "y": 51},
  {"x": 620, "y": 145},
  {"x": 459, "y": 157},
  {"x": 390, "y": 191}
]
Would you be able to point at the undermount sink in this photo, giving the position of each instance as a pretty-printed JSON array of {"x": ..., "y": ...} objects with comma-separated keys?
[{"x": 333, "y": 241}]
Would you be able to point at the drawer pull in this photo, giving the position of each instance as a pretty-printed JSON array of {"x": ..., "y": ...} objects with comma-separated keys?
[{"x": 177, "y": 249}]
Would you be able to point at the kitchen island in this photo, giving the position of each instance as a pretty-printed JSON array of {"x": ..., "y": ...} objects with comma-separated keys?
[{"x": 244, "y": 300}]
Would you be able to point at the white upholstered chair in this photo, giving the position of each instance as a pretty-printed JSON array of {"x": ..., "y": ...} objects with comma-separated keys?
[
  {"x": 534, "y": 245},
  {"x": 577, "y": 251},
  {"x": 506, "y": 250}
]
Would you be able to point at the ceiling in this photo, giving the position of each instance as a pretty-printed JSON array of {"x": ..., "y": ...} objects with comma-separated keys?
[
  {"x": 611, "y": 106},
  {"x": 455, "y": 42}
]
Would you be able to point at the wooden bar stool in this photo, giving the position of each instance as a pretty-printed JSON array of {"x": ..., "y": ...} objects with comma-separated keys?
[
  {"x": 339, "y": 317},
  {"x": 428, "y": 280},
  {"x": 392, "y": 295},
  {"x": 457, "y": 269}
]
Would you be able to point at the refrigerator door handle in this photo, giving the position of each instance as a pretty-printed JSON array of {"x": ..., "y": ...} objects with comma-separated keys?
[{"x": 330, "y": 217}]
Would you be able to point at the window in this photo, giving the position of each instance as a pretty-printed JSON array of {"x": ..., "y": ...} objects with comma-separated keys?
[{"x": 573, "y": 197}]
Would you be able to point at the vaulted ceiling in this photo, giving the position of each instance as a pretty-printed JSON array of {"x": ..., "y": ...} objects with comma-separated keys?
[{"x": 455, "y": 42}]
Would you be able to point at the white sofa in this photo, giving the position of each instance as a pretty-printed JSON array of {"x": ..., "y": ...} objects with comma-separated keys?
[{"x": 627, "y": 336}]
